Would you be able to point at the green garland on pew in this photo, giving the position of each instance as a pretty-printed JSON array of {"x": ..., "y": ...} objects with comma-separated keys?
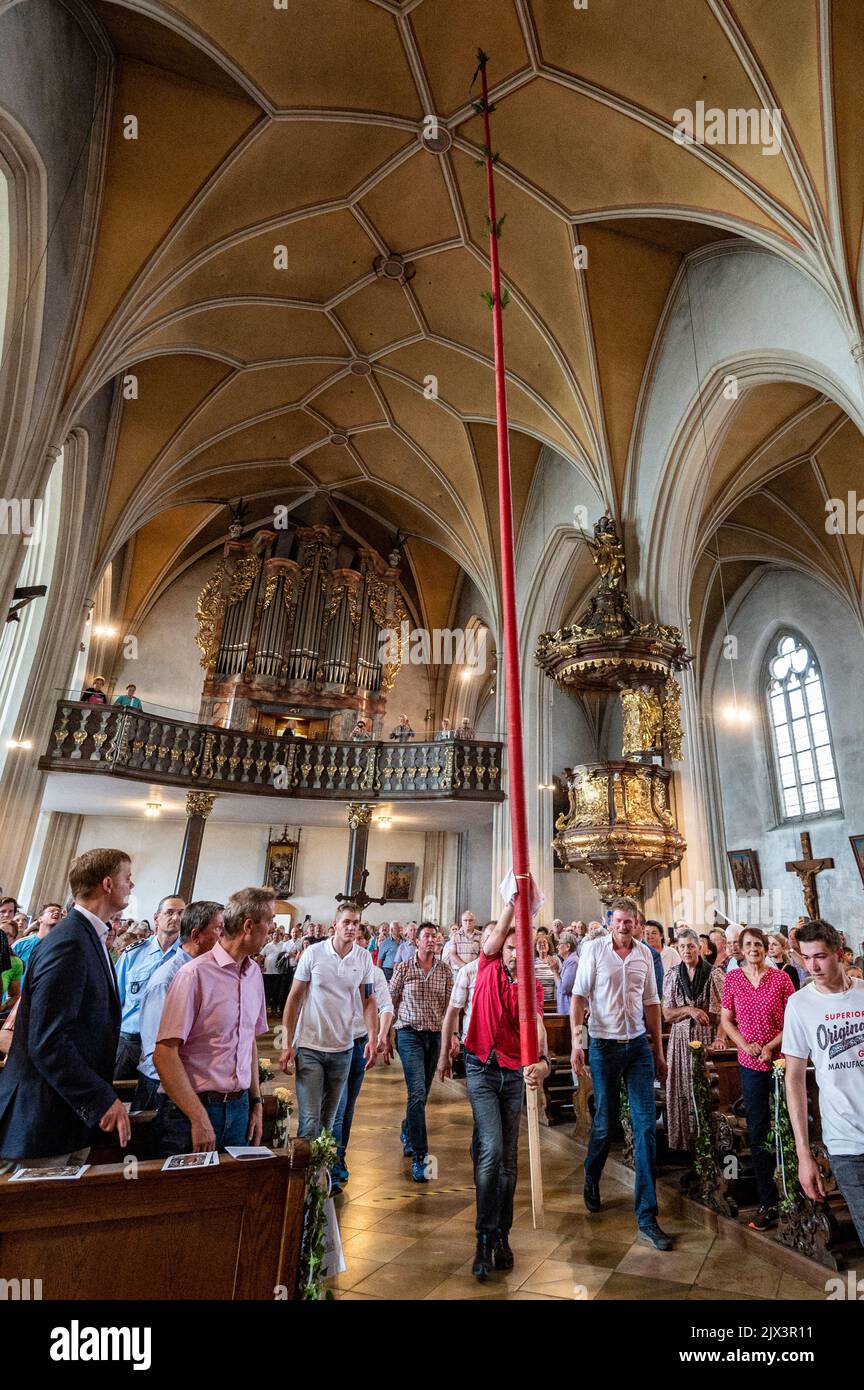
[
  {"x": 781, "y": 1140},
  {"x": 624, "y": 1109},
  {"x": 321, "y": 1159},
  {"x": 704, "y": 1156}
]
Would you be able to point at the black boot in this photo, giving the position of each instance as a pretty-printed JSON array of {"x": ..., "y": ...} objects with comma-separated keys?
[
  {"x": 483, "y": 1256},
  {"x": 502, "y": 1255}
]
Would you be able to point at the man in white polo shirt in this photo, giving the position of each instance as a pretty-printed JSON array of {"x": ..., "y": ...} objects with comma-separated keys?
[
  {"x": 825, "y": 1021},
  {"x": 616, "y": 977},
  {"x": 326, "y": 984}
]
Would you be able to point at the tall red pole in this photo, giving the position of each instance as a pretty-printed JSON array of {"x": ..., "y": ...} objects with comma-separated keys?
[{"x": 513, "y": 693}]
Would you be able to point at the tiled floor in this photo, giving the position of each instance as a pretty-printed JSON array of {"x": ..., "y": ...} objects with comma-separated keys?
[{"x": 406, "y": 1241}]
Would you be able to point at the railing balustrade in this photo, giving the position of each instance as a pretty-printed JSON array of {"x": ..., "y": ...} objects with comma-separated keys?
[{"x": 133, "y": 744}]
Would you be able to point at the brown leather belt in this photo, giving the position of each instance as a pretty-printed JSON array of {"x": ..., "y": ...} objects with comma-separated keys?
[{"x": 220, "y": 1097}]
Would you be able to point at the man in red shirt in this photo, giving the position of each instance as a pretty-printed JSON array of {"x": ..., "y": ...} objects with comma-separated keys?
[{"x": 496, "y": 1086}]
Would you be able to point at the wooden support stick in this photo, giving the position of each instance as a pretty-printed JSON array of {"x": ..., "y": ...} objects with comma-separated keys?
[{"x": 534, "y": 1157}]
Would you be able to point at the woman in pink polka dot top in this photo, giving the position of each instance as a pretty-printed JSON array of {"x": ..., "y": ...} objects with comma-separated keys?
[{"x": 753, "y": 1005}]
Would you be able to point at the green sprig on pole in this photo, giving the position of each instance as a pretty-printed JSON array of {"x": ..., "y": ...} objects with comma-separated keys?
[
  {"x": 704, "y": 1153},
  {"x": 322, "y": 1156},
  {"x": 781, "y": 1140}
]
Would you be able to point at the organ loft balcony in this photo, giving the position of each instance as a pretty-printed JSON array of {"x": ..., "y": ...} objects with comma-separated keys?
[{"x": 143, "y": 747}]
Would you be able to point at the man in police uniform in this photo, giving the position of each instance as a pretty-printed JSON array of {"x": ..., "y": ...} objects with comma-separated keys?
[{"x": 134, "y": 969}]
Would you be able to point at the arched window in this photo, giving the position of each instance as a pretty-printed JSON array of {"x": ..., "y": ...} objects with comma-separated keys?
[{"x": 804, "y": 755}]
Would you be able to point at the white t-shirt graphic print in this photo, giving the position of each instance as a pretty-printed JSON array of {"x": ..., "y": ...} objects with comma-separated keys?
[{"x": 830, "y": 1029}]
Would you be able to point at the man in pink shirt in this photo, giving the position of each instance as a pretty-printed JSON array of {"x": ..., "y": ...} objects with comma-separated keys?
[{"x": 206, "y": 1054}]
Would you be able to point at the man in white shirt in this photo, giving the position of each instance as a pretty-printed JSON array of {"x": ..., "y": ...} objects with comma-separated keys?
[
  {"x": 328, "y": 977},
  {"x": 616, "y": 978},
  {"x": 357, "y": 1071},
  {"x": 272, "y": 975},
  {"x": 825, "y": 1021}
]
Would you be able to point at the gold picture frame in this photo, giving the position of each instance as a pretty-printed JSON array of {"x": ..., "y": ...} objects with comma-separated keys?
[
  {"x": 280, "y": 870},
  {"x": 399, "y": 882}
]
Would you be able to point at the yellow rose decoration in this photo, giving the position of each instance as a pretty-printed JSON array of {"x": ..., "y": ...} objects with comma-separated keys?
[
  {"x": 695, "y": 1045},
  {"x": 281, "y": 1094}
]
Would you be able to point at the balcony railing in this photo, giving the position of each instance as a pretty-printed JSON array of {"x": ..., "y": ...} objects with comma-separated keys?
[{"x": 146, "y": 748}]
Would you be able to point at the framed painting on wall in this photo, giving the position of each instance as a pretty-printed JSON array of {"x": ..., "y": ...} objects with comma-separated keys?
[
  {"x": 857, "y": 843},
  {"x": 744, "y": 867},
  {"x": 399, "y": 880},
  {"x": 281, "y": 866}
]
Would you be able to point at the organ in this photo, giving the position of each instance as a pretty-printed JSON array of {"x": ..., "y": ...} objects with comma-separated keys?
[{"x": 293, "y": 625}]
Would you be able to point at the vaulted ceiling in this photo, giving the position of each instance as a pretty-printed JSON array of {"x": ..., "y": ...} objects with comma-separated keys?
[
  {"x": 786, "y": 453},
  {"x": 279, "y": 153}
]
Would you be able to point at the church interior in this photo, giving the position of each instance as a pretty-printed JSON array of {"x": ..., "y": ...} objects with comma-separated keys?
[{"x": 250, "y": 460}]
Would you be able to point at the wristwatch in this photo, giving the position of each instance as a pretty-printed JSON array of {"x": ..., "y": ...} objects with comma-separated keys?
[{"x": 255, "y": 1100}]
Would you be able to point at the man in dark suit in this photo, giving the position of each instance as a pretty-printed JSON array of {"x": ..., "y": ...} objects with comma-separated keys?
[{"x": 56, "y": 1085}]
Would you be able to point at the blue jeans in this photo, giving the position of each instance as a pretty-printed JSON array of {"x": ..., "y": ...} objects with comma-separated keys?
[
  {"x": 633, "y": 1063},
  {"x": 495, "y": 1093},
  {"x": 756, "y": 1093},
  {"x": 146, "y": 1093},
  {"x": 418, "y": 1052},
  {"x": 351, "y": 1090},
  {"x": 848, "y": 1169},
  {"x": 320, "y": 1079},
  {"x": 230, "y": 1121}
]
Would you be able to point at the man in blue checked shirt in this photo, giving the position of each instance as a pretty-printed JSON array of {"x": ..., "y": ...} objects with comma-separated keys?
[{"x": 134, "y": 969}]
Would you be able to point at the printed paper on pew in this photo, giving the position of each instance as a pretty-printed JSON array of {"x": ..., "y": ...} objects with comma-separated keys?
[
  {"x": 238, "y": 1151},
  {"x": 199, "y": 1160},
  {"x": 60, "y": 1172}
]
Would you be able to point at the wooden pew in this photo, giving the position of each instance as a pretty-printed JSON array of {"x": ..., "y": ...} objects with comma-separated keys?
[
  {"x": 822, "y": 1231},
  {"x": 144, "y": 1141},
  {"x": 558, "y": 1087},
  {"x": 226, "y": 1232}
]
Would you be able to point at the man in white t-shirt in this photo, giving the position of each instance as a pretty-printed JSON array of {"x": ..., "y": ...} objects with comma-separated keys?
[
  {"x": 269, "y": 958},
  {"x": 825, "y": 1021},
  {"x": 318, "y": 1021},
  {"x": 357, "y": 1071}
]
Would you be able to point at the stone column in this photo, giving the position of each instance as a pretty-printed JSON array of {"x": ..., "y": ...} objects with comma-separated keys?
[
  {"x": 198, "y": 807},
  {"x": 22, "y": 782},
  {"x": 440, "y": 867},
  {"x": 51, "y": 883},
  {"x": 359, "y": 818}
]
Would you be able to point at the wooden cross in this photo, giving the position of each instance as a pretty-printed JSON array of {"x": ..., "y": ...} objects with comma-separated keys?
[
  {"x": 807, "y": 869},
  {"x": 362, "y": 898}
]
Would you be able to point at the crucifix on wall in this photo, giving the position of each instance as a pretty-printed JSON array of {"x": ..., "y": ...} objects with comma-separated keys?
[
  {"x": 360, "y": 897},
  {"x": 807, "y": 868}
]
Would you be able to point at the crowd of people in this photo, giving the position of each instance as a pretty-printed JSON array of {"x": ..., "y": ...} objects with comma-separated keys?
[{"x": 90, "y": 998}]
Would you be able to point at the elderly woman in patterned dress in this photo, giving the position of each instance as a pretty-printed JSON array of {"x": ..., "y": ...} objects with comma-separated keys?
[{"x": 691, "y": 1004}]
